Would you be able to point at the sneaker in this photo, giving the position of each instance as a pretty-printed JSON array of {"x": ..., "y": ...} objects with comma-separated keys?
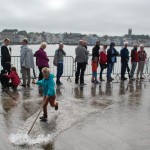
[
  {"x": 93, "y": 81},
  {"x": 112, "y": 78},
  {"x": 43, "y": 118},
  {"x": 59, "y": 83},
  {"x": 132, "y": 78},
  {"x": 102, "y": 80},
  {"x": 56, "y": 107},
  {"x": 96, "y": 82},
  {"x": 109, "y": 80},
  {"x": 123, "y": 79},
  {"x": 142, "y": 78},
  {"x": 28, "y": 85},
  {"x": 6, "y": 89},
  {"x": 23, "y": 85}
]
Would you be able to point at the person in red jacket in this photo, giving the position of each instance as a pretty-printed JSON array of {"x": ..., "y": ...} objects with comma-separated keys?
[
  {"x": 134, "y": 60},
  {"x": 103, "y": 61},
  {"x": 15, "y": 81},
  {"x": 94, "y": 70}
]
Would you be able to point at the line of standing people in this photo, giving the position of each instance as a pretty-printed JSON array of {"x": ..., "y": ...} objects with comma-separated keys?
[
  {"x": 106, "y": 58},
  {"x": 27, "y": 63}
]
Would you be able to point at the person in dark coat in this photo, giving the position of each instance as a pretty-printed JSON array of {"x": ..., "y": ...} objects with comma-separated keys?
[
  {"x": 124, "y": 53},
  {"x": 5, "y": 56},
  {"x": 95, "y": 50},
  {"x": 134, "y": 60},
  {"x": 111, "y": 59}
]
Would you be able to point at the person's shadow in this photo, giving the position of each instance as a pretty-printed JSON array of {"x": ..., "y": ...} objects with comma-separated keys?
[
  {"x": 108, "y": 90},
  {"x": 93, "y": 90},
  {"x": 78, "y": 92}
]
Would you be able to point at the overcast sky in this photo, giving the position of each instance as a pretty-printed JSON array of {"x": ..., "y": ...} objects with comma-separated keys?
[{"x": 103, "y": 17}]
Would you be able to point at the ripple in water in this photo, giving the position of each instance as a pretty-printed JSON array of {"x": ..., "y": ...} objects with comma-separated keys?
[{"x": 70, "y": 112}]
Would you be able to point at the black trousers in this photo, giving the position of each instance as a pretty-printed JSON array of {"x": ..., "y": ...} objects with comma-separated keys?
[
  {"x": 40, "y": 73},
  {"x": 6, "y": 66},
  {"x": 80, "y": 71},
  {"x": 123, "y": 69},
  {"x": 101, "y": 71},
  {"x": 4, "y": 80}
]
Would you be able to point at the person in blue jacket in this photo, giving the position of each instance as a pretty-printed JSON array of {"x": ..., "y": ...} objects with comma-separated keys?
[
  {"x": 111, "y": 60},
  {"x": 124, "y": 53},
  {"x": 49, "y": 91}
]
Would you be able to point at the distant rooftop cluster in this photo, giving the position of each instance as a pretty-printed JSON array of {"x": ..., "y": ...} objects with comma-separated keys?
[{"x": 71, "y": 38}]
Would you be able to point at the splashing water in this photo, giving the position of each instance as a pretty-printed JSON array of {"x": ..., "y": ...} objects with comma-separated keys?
[
  {"x": 25, "y": 139},
  {"x": 70, "y": 113}
]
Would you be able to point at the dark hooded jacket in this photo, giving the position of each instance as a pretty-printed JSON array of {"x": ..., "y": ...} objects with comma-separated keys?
[
  {"x": 110, "y": 53},
  {"x": 95, "y": 51}
]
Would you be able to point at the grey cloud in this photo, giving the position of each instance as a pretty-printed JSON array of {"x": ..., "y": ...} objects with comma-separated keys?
[{"x": 86, "y": 16}]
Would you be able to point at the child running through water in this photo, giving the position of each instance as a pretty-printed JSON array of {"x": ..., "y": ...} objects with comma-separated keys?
[
  {"x": 94, "y": 70},
  {"x": 15, "y": 81},
  {"x": 49, "y": 91}
]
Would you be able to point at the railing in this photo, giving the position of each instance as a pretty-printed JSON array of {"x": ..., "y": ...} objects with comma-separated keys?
[
  {"x": 70, "y": 66},
  {"x": 68, "y": 70},
  {"x": 117, "y": 67}
]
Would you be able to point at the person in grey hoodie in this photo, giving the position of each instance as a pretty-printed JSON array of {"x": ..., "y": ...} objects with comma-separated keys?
[
  {"x": 60, "y": 53},
  {"x": 81, "y": 59},
  {"x": 27, "y": 62}
]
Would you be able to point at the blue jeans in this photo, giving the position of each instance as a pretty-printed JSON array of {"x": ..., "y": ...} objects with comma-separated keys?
[
  {"x": 59, "y": 71},
  {"x": 134, "y": 64},
  {"x": 109, "y": 69}
]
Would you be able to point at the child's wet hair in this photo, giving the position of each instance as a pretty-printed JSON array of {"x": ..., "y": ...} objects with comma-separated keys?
[{"x": 46, "y": 70}]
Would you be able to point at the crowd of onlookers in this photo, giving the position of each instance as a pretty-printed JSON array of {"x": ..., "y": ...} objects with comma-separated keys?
[
  {"x": 104, "y": 57},
  {"x": 27, "y": 63}
]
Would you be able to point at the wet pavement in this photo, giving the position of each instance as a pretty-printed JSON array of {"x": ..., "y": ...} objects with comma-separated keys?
[{"x": 113, "y": 116}]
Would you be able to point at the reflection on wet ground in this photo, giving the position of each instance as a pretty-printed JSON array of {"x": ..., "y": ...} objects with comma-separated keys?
[{"x": 109, "y": 112}]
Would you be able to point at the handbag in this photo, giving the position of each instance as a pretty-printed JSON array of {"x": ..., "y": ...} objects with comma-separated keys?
[
  {"x": 55, "y": 61},
  {"x": 105, "y": 66}
]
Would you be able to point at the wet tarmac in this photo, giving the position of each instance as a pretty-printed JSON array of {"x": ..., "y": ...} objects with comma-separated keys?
[{"x": 113, "y": 116}]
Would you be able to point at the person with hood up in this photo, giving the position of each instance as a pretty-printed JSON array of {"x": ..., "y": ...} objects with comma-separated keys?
[{"x": 111, "y": 59}]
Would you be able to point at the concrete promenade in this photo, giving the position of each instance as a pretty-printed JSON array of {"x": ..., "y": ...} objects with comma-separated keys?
[{"x": 113, "y": 116}]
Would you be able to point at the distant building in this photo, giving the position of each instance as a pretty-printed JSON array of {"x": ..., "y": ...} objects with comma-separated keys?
[
  {"x": 129, "y": 32},
  {"x": 90, "y": 39},
  {"x": 35, "y": 38},
  {"x": 9, "y": 33}
]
